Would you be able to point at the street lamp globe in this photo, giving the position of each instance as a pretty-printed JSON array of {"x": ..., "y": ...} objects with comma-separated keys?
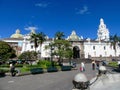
[
  {"x": 102, "y": 70},
  {"x": 80, "y": 82}
]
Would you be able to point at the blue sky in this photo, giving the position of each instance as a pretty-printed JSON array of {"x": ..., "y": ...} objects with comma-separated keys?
[{"x": 50, "y": 16}]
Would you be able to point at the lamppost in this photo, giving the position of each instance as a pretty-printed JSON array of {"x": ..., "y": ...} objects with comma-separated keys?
[{"x": 51, "y": 53}]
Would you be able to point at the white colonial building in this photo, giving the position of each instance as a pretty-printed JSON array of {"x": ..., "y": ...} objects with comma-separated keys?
[{"x": 82, "y": 48}]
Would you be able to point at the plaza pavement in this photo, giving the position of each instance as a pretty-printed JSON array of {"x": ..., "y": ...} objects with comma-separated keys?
[
  {"x": 107, "y": 82},
  {"x": 61, "y": 80}
]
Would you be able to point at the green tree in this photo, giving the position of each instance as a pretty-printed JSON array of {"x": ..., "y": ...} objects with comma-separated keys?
[
  {"x": 6, "y": 51},
  {"x": 58, "y": 37},
  {"x": 63, "y": 49},
  {"x": 28, "y": 55},
  {"x": 68, "y": 53},
  {"x": 114, "y": 40}
]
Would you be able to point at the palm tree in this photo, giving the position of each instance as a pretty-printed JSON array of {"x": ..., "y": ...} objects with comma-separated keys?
[
  {"x": 59, "y": 35},
  {"x": 34, "y": 39},
  {"x": 114, "y": 41},
  {"x": 41, "y": 38}
]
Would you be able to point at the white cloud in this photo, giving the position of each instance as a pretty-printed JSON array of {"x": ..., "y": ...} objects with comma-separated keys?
[
  {"x": 31, "y": 28},
  {"x": 84, "y": 10},
  {"x": 43, "y": 5}
]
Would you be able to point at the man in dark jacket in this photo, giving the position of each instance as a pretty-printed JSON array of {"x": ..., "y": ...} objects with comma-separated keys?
[{"x": 12, "y": 70}]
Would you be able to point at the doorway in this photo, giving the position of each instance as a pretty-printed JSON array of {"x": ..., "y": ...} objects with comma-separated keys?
[{"x": 76, "y": 52}]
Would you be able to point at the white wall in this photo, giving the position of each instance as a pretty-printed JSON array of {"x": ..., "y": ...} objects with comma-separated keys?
[
  {"x": 101, "y": 48},
  {"x": 88, "y": 48}
]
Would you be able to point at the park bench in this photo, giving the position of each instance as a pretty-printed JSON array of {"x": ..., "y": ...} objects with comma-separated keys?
[
  {"x": 66, "y": 68},
  {"x": 36, "y": 70},
  {"x": 52, "y": 69}
]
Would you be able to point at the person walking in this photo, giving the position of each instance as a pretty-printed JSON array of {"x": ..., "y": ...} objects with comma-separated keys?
[
  {"x": 12, "y": 70},
  {"x": 82, "y": 67},
  {"x": 119, "y": 64},
  {"x": 97, "y": 64},
  {"x": 93, "y": 65}
]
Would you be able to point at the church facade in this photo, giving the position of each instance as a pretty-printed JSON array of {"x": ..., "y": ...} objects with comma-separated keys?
[
  {"x": 101, "y": 47},
  {"x": 82, "y": 48}
]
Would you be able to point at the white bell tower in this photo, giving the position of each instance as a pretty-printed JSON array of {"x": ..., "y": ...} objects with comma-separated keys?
[{"x": 103, "y": 32}]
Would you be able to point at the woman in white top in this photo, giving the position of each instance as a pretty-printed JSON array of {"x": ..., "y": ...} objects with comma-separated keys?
[{"x": 82, "y": 66}]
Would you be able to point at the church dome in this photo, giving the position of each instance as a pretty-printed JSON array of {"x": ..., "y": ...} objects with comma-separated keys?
[
  {"x": 17, "y": 34},
  {"x": 74, "y": 37}
]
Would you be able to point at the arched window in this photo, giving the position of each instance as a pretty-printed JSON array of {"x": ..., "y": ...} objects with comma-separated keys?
[
  {"x": 104, "y": 48},
  {"x": 93, "y": 47}
]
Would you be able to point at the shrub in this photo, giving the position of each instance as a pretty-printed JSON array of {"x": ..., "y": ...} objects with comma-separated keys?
[
  {"x": 28, "y": 67},
  {"x": 113, "y": 64},
  {"x": 5, "y": 65},
  {"x": 2, "y": 72},
  {"x": 19, "y": 65},
  {"x": 44, "y": 63}
]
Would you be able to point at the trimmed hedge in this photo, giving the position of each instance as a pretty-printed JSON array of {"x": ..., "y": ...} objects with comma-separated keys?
[
  {"x": 36, "y": 70},
  {"x": 66, "y": 68},
  {"x": 113, "y": 64},
  {"x": 7, "y": 65}
]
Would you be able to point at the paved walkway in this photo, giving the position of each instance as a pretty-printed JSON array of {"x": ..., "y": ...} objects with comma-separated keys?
[{"x": 47, "y": 81}]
